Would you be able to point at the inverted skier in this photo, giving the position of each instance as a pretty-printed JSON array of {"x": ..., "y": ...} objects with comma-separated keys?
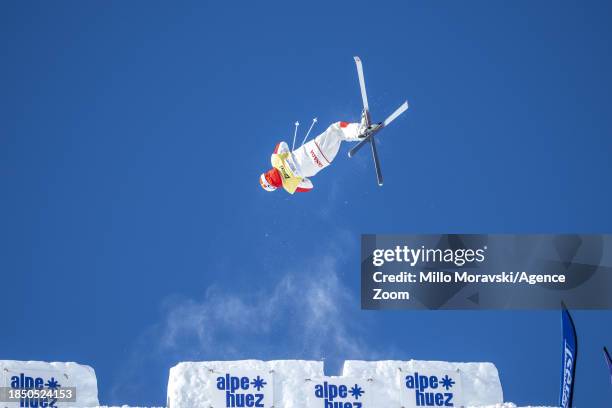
[{"x": 291, "y": 169}]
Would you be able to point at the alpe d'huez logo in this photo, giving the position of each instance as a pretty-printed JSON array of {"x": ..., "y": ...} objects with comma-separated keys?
[
  {"x": 21, "y": 384},
  {"x": 242, "y": 391},
  {"x": 340, "y": 395},
  {"x": 431, "y": 390}
]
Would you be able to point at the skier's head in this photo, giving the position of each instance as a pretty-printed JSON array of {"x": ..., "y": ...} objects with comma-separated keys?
[{"x": 270, "y": 180}]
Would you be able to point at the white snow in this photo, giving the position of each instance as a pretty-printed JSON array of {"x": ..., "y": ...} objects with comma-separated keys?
[
  {"x": 193, "y": 384},
  {"x": 288, "y": 383},
  {"x": 480, "y": 381},
  {"x": 82, "y": 377}
]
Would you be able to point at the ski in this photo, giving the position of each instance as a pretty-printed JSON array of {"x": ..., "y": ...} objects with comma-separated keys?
[
  {"x": 364, "y": 95},
  {"x": 387, "y": 121},
  {"x": 379, "y": 177},
  {"x": 372, "y": 129},
  {"x": 365, "y": 140},
  {"x": 395, "y": 114}
]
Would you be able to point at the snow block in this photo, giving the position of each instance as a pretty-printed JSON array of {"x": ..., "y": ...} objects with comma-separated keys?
[
  {"x": 38, "y": 374},
  {"x": 302, "y": 384},
  {"x": 218, "y": 384},
  {"x": 428, "y": 383}
]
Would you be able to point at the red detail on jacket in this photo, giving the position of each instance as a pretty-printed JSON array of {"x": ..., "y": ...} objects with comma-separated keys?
[{"x": 344, "y": 124}]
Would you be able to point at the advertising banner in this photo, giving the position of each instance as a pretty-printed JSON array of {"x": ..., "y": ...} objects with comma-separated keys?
[
  {"x": 338, "y": 392},
  {"x": 568, "y": 362},
  {"x": 431, "y": 388},
  {"x": 608, "y": 361},
  {"x": 46, "y": 385},
  {"x": 243, "y": 388}
]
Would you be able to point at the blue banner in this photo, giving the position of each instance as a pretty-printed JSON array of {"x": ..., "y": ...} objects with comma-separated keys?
[
  {"x": 609, "y": 361},
  {"x": 568, "y": 367}
]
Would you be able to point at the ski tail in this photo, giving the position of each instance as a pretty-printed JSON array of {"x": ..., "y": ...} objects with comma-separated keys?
[
  {"x": 403, "y": 108},
  {"x": 358, "y": 146},
  {"x": 364, "y": 95},
  {"x": 379, "y": 177}
]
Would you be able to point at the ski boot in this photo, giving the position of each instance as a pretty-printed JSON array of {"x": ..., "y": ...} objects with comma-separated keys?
[{"x": 362, "y": 130}]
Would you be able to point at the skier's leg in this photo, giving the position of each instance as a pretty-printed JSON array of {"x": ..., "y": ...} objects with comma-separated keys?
[
  {"x": 329, "y": 141},
  {"x": 350, "y": 131},
  {"x": 319, "y": 152}
]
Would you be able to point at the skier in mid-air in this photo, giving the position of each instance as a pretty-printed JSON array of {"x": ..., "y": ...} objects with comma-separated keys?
[{"x": 291, "y": 169}]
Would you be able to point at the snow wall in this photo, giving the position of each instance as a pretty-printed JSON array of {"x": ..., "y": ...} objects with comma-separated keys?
[
  {"x": 26, "y": 374},
  {"x": 303, "y": 384},
  {"x": 285, "y": 384}
]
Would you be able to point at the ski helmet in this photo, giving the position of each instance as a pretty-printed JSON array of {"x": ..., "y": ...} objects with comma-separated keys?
[{"x": 265, "y": 184}]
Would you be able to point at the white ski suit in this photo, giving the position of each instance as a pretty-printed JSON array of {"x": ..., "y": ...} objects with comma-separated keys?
[{"x": 315, "y": 155}]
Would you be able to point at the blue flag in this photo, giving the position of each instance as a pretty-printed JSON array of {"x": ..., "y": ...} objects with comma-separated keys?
[
  {"x": 568, "y": 368},
  {"x": 609, "y": 361}
]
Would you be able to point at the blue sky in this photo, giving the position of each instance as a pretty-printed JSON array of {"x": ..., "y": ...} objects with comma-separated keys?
[{"x": 134, "y": 233}]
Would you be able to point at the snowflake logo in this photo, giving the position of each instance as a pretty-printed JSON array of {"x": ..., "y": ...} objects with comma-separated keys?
[
  {"x": 447, "y": 382},
  {"x": 357, "y": 391},
  {"x": 258, "y": 383},
  {"x": 52, "y": 384}
]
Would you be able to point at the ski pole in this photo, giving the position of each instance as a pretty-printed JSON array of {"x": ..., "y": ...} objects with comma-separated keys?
[
  {"x": 295, "y": 134},
  {"x": 307, "y": 133}
]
